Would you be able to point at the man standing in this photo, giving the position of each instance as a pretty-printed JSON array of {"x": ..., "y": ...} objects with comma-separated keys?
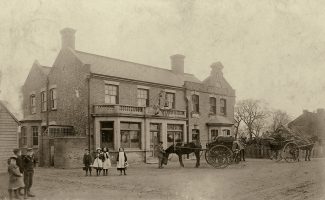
[
  {"x": 28, "y": 166},
  {"x": 160, "y": 153}
]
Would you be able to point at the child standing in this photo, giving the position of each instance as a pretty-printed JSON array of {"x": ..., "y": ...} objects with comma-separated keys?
[
  {"x": 106, "y": 161},
  {"x": 98, "y": 162},
  {"x": 121, "y": 161},
  {"x": 16, "y": 180},
  {"x": 87, "y": 160}
]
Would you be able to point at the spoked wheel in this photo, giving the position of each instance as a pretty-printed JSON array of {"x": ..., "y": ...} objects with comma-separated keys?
[
  {"x": 290, "y": 152},
  {"x": 219, "y": 156}
]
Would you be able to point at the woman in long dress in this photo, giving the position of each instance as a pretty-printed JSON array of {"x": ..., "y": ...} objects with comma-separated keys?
[
  {"x": 98, "y": 162},
  {"x": 121, "y": 161},
  {"x": 106, "y": 161}
]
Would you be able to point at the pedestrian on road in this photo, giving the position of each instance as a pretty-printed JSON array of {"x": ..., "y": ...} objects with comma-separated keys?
[
  {"x": 19, "y": 162},
  {"x": 88, "y": 161},
  {"x": 16, "y": 180},
  {"x": 98, "y": 162},
  {"x": 121, "y": 161},
  {"x": 160, "y": 154},
  {"x": 28, "y": 166},
  {"x": 106, "y": 161}
]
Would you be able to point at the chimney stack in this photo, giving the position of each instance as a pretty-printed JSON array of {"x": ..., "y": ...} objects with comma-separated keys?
[
  {"x": 68, "y": 38},
  {"x": 177, "y": 63}
]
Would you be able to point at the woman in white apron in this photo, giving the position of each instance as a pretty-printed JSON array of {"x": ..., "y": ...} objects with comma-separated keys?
[
  {"x": 106, "y": 161},
  {"x": 121, "y": 161}
]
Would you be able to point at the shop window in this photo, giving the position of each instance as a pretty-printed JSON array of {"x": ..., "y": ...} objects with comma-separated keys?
[
  {"x": 130, "y": 135},
  {"x": 174, "y": 134},
  {"x": 107, "y": 134}
]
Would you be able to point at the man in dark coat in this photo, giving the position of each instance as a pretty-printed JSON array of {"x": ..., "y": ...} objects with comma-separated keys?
[
  {"x": 28, "y": 166},
  {"x": 88, "y": 161},
  {"x": 160, "y": 154}
]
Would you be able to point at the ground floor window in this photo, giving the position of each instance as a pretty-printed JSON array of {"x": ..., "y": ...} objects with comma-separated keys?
[
  {"x": 107, "y": 134},
  {"x": 214, "y": 134},
  {"x": 23, "y": 136},
  {"x": 130, "y": 135},
  {"x": 35, "y": 135},
  {"x": 226, "y": 132},
  {"x": 195, "y": 134},
  {"x": 174, "y": 134}
]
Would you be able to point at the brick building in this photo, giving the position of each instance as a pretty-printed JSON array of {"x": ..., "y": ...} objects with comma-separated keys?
[
  {"x": 311, "y": 124},
  {"x": 87, "y": 100}
]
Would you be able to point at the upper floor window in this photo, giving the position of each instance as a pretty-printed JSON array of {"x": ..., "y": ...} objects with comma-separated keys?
[
  {"x": 111, "y": 94},
  {"x": 35, "y": 135},
  {"x": 23, "y": 137},
  {"x": 32, "y": 104},
  {"x": 53, "y": 99},
  {"x": 143, "y": 97},
  {"x": 43, "y": 101},
  {"x": 195, "y": 103},
  {"x": 170, "y": 100},
  {"x": 223, "y": 106},
  {"x": 213, "y": 105}
]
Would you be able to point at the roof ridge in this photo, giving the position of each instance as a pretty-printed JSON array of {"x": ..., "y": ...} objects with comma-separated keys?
[{"x": 145, "y": 65}]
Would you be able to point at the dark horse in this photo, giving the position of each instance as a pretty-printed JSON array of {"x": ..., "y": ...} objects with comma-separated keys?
[
  {"x": 180, "y": 149},
  {"x": 309, "y": 147}
]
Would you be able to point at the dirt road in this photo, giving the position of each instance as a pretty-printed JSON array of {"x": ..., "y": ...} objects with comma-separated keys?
[{"x": 252, "y": 180}]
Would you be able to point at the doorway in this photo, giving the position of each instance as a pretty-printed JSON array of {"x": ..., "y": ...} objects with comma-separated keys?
[{"x": 154, "y": 138}]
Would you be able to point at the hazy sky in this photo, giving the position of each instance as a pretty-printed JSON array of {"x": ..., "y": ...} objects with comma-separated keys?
[{"x": 272, "y": 50}]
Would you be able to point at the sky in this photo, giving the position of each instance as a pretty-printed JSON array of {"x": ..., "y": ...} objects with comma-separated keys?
[{"x": 272, "y": 50}]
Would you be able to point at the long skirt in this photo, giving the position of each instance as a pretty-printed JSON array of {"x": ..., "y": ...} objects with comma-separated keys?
[{"x": 107, "y": 164}]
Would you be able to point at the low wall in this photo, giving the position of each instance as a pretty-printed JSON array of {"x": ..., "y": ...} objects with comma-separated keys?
[{"x": 69, "y": 151}]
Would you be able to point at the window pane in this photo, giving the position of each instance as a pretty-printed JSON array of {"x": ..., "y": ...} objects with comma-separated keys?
[{"x": 125, "y": 139}]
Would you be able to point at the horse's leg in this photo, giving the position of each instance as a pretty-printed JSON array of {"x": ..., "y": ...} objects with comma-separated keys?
[
  {"x": 197, "y": 155},
  {"x": 306, "y": 154},
  {"x": 180, "y": 160},
  {"x": 309, "y": 154}
]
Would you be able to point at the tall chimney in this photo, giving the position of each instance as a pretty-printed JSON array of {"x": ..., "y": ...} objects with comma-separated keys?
[
  {"x": 177, "y": 63},
  {"x": 68, "y": 38}
]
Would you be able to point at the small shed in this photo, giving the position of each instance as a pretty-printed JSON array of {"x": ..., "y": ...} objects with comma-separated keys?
[{"x": 9, "y": 126}]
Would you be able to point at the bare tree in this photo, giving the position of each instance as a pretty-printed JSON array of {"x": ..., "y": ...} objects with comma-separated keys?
[
  {"x": 238, "y": 121},
  {"x": 250, "y": 111},
  {"x": 279, "y": 118}
]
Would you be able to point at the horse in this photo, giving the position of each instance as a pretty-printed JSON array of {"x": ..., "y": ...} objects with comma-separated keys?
[
  {"x": 309, "y": 147},
  {"x": 180, "y": 149}
]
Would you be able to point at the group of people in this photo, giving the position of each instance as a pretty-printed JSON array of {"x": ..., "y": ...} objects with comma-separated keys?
[
  {"x": 21, "y": 172},
  {"x": 102, "y": 161}
]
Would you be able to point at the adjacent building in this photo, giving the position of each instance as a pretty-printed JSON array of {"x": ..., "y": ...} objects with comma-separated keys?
[
  {"x": 88, "y": 101},
  {"x": 311, "y": 124},
  {"x": 9, "y": 129}
]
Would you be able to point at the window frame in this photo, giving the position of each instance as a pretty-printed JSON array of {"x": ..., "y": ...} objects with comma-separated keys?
[
  {"x": 223, "y": 108},
  {"x": 109, "y": 95},
  {"x": 110, "y": 144},
  {"x": 142, "y": 100},
  {"x": 173, "y": 99},
  {"x": 127, "y": 131},
  {"x": 35, "y": 131},
  {"x": 212, "y": 135},
  {"x": 195, "y": 103},
  {"x": 53, "y": 99},
  {"x": 43, "y": 101},
  {"x": 32, "y": 103},
  {"x": 213, "y": 105},
  {"x": 23, "y": 136}
]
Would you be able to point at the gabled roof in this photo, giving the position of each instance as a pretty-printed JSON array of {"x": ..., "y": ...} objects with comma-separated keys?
[
  {"x": 124, "y": 69},
  {"x": 6, "y": 106}
]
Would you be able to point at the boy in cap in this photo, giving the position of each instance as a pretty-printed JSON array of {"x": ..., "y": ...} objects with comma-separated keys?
[
  {"x": 28, "y": 165},
  {"x": 87, "y": 160}
]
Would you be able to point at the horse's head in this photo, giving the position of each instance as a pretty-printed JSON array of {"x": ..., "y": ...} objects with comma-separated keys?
[{"x": 168, "y": 151}]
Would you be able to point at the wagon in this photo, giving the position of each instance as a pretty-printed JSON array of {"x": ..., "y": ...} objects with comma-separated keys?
[{"x": 220, "y": 153}]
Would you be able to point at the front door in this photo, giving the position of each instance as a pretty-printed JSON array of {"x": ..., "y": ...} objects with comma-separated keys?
[{"x": 154, "y": 138}]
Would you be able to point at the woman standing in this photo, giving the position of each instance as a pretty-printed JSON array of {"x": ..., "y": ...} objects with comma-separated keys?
[
  {"x": 98, "y": 162},
  {"x": 16, "y": 180},
  {"x": 121, "y": 161},
  {"x": 106, "y": 161}
]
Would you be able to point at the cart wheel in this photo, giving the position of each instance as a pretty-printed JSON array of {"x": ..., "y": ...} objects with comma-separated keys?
[
  {"x": 290, "y": 152},
  {"x": 218, "y": 156}
]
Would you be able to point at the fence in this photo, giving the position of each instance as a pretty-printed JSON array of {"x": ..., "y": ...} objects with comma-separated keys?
[{"x": 257, "y": 151}]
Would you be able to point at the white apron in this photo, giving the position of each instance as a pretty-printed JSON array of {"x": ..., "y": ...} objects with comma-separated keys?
[
  {"x": 121, "y": 160},
  {"x": 107, "y": 162}
]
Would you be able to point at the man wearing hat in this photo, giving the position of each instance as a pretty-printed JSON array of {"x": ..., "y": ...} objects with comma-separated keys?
[
  {"x": 160, "y": 154},
  {"x": 28, "y": 166}
]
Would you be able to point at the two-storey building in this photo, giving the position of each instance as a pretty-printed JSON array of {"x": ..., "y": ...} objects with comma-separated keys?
[{"x": 88, "y": 101}]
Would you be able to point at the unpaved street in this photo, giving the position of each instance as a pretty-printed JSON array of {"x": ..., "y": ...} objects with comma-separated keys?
[{"x": 254, "y": 179}]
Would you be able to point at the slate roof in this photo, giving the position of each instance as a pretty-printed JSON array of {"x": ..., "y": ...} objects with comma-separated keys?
[
  {"x": 124, "y": 69},
  {"x": 217, "y": 120}
]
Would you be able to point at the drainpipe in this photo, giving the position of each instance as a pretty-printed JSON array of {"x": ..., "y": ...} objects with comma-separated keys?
[
  {"x": 188, "y": 118},
  {"x": 89, "y": 111},
  {"x": 47, "y": 119}
]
